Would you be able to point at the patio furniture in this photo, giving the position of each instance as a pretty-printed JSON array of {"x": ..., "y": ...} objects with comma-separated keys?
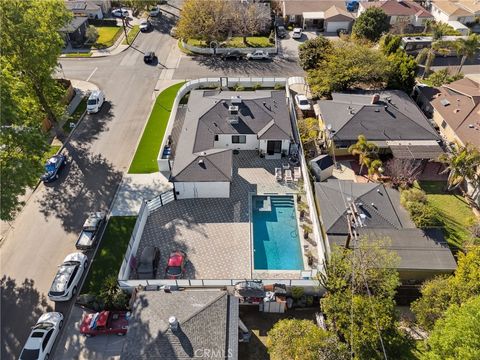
[
  {"x": 297, "y": 173},
  {"x": 288, "y": 176},
  {"x": 286, "y": 166},
  {"x": 278, "y": 174}
]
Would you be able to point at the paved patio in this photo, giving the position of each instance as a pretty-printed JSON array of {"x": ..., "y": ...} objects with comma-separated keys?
[{"x": 215, "y": 233}]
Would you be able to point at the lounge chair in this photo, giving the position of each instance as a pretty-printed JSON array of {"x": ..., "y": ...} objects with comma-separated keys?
[
  {"x": 286, "y": 166},
  {"x": 278, "y": 174},
  {"x": 297, "y": 173},
  {"x": 288, "y": 176}
]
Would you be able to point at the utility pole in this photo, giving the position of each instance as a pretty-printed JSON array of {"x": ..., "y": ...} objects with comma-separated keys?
[{"x": 124, "y": 28}]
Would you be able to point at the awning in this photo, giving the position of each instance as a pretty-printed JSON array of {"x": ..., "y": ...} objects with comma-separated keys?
[{"x": 430, "y": 152}]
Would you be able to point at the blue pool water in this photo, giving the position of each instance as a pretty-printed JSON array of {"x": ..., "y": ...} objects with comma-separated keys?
[{"x": 275, "y": 234}]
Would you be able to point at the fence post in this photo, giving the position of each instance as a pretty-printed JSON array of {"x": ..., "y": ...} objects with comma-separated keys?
[{"x": 161, "y": 201}]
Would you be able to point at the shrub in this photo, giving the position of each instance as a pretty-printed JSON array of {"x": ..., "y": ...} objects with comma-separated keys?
[
  {"x": 413, "y": 195},
  {"x": 279, "y": 87},
  {"x": 297, "y": 292},
  {"x": 423, "y": 215},
  {"x": 257, "y": 86},
  {"x": 271, "y": 38},
  {"x": 238, "y": 87}
]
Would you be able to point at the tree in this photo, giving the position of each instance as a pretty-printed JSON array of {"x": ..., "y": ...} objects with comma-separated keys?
[
  {"x": 248, "y": 18},
  {"x": 359, "y": 304},
  {"x": 427, "y": 55},
  {"x": 441, "y": 77},
  {"x": 403, "y": 172},
  {"x": 439, "y": 29},
  {"x": 112, "y": 296},
  {"x": 457, "y": 336},
  {"x": 308, "y": 129},
  {"x": 313, "y": 51},
  {"x": 375, "y": 167},
  {"x": 293, "y": 339},
  {"x": 462, "y": 164},
  {"x": 402, "y": 71},
  {"x": 366, "y": 151},
  {"x": 441, "y": 292},
  {"x": 389, "y": 43},
  {"x": 91, "y": 34},
  {"x": 467, "y": 48},
  {"x": 32, "y": 44},
  {"x": 371, "y": 24},
  {"x": 203, "y": 20},
  {"x": 349, "y": 65},
  {"x": 23, "y": 143}
]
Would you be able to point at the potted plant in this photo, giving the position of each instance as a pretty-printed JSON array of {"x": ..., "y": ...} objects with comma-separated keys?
[
  {"x": 310, "y": 257},
  {"x": 303, "y": 208},
  {"x": 306, "y": 230}
]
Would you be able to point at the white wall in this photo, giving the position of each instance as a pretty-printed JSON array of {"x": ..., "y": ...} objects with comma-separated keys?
[
  {"x": 225, "y": 142},
  {"x": 189, "y": 190},
  {"x": 439, "y": 15}
]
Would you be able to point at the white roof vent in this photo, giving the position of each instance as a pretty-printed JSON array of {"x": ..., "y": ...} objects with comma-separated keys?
[
  {"x": 233, "y": 109},
  {"x": 235, "y": 100},
  {"x": 173, "y": 322}
]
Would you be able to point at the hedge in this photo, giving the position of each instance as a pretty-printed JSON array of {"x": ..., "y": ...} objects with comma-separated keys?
[{"x": 102, "y": 22}]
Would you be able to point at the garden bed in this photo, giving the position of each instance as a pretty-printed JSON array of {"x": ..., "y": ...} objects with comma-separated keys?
[{"x": 237, "y": 42}]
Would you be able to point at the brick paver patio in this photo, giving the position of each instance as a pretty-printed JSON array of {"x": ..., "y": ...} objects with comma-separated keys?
[{"x": 215, "y": 233}]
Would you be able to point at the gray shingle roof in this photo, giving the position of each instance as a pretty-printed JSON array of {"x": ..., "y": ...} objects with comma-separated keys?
[
  {"x": 262, "y": 112},
  {"x": 207, "y": 320},
  {"x": 353, "y": 114}
]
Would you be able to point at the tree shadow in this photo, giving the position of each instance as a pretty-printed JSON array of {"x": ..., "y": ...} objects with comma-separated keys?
[
  {"x": 21, "y": 307},
  {"x": 88, "y": 184}
]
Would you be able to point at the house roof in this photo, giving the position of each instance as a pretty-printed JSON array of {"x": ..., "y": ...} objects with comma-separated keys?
[
  {"x": 74, "y": 24},
  {"x": 297, "y": 7},
  {"x": 384, "y": 217},
  {"x": 81, "y": 6},
  {"x": 458, "y": 8},
  {"x": 394, "y": 117},
  {"x": 418, "y": 249},
  {"x": 207, "y": 320},
  {"x": 322, "y": 162},
  {"x": 458, "y": 103},
  {"x": 334, "y": 11},
  {"x": 398, "y": 8},
  {"x": 263, "y": 113}
]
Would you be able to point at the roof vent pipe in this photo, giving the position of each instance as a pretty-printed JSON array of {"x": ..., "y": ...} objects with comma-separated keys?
[
  {"x": 375, "y": 98},
  {"x": 173, "y": 322}
]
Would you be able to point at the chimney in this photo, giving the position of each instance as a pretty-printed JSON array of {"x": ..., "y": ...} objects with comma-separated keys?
[
  {"x": 173, "y": 322},
  {"x": 375, "y": 98}
]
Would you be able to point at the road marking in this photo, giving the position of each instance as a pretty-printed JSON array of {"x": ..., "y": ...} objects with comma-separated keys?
[{"x": 93, "y": 72}]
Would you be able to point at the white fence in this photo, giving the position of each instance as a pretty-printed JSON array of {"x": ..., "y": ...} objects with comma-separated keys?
[
  {"x": 224, "y": 50},
  {"x": 164, "y": 164},
  {"x": 322, "y": 243}
]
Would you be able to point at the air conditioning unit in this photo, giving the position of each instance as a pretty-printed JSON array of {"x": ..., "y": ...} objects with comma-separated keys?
[
  {"x": 235, "y": 100},
  {"x": 233, "y": 110}
]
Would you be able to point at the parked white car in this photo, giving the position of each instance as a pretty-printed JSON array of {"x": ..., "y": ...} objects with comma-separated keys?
[
  {"x": 65, "y": 283},
  {"x": 302, "y": 102},
  {"x": 120, "y": 13},
  {"x": 155, "y": 11},
  {"x": 258, "y": 55},
  {"x": 95, "y": 101},
  {"x": 42, "y": 337},
  {"x": 297, "y": 33}
]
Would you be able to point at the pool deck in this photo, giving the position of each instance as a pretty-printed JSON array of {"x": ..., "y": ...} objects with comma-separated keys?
[{"x": 215, "y": 233}]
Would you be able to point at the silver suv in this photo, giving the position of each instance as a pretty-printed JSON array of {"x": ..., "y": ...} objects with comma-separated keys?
[{"x": 65, "y": 284}]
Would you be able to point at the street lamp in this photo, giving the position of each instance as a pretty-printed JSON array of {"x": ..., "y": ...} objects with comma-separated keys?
[{"x": 330, "y": 132}]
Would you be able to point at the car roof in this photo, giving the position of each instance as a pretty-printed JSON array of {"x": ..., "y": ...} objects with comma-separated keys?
[
  {"x": 64, "y": 273},
  {"x": 35, "y": 339},
  {"x": 301, "y": 97},
  {"x": 175, "y": 259}
]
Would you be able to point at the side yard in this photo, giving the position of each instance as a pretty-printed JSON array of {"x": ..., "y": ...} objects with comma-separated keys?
[{"x": 145, "y": 158}]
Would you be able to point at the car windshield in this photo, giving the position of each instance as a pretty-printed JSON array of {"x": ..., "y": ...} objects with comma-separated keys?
[
  {"x": 29, "y": 354},
  {"x": 174, "y": 270},
  {"x": 50, "y": 167},
  {"x": 303, "y": 102},
  {"x": 92, "y": 102}
]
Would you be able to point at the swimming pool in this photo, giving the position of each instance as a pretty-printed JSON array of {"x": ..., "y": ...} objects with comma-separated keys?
[{"x": 276, "y": 244}]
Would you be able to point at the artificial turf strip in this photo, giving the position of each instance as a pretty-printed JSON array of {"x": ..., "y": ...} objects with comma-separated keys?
[
  {"x": 109, "y": 257},
  {"x": 145, "y": 158}
]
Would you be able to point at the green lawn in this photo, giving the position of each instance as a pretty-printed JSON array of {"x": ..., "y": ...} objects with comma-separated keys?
[
  {"x": 132, "y": 34},
  {"x": 79, "y": 54},
  {"x": 252, "y": 41},
  {"x": 107, "y": 35},
  {"x": 453, "y": 211},
  {"x": 145, "y": 158},
  {"x": 111, "y": 252},
  {"x": 76, "y": 115}
]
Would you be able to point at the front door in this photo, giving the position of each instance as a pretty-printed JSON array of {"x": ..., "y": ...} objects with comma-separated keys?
[{"x": 274, "y": 147}]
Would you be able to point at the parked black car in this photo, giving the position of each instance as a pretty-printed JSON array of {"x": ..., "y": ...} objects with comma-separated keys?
[
  {"x": 53, "y": 167},
  {"x": 281, "y": 32},
  {"x": 148, "y": 263},
  {"x": 149, "y": 57},
  {"x": 232, "y": 55}
]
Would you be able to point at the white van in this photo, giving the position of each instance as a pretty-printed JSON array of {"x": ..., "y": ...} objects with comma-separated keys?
[{"x": 95, "y": 101}]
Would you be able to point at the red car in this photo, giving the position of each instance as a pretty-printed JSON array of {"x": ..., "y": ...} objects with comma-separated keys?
[
  {"x": 104, "y": 322},
  {"x": 176, "y": 265}
]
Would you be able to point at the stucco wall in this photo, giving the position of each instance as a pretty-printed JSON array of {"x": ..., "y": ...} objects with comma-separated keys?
[
  {"x": 189, "y": 190},
  {"x": 225, "y": 142}
]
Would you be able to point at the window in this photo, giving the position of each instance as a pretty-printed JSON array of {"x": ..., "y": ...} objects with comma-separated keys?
[
  {"x": 47, "y": 338},
  {"x": 239, "y": 139},
  {"x": 72, "y": 277},
  {"x": 216, "y": 138},
  {"x": 444, "y": 124}
]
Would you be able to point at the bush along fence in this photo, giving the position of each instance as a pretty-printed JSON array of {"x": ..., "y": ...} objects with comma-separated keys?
[{"x": 102, "y": 22}]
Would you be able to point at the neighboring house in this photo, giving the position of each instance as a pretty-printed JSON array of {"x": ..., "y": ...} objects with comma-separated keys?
[
  {"x": 321, "y": 167},
  {"x": 314, "y": 14},
  {"x": 390, "y": 119},
  {"x": 204, "y": 325},
  {"x": 74, "y": 32},
  {"x": 219, "y": 122},
  {"x": 93, "y": 9},
  {"x": 463, "y": 11},
  {"x": 455, "y": 109},
  {"x": 423, "y": 253},
  {"x": 407, "y": 15}
]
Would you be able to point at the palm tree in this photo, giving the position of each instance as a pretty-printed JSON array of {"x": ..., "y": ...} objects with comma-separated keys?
[
  {"x": 466, "y": 48},
  {"x": 427, "y": 55},
  {"x": 462, "y": 164},
  {"x": 366, "y": 151}
]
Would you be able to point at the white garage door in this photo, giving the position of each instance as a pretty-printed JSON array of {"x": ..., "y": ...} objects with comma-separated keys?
[{"x": 335, "y": 25}]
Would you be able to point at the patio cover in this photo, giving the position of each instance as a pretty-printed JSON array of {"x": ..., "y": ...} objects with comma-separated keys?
[
  {"x": 430, "y": 152},
  {"x": 313, "y": 15}
]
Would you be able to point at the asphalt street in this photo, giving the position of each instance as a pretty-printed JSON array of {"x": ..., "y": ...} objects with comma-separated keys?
[{"x": 99, "y": 152}]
